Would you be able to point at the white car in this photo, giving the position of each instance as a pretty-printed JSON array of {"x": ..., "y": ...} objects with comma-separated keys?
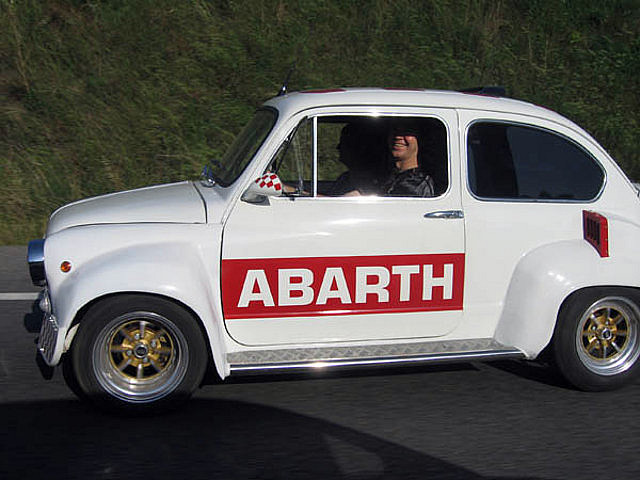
[{"x": 290, "y": 254}]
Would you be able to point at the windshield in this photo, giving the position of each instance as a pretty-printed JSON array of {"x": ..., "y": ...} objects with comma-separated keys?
[{"x": 241, "y": 151}]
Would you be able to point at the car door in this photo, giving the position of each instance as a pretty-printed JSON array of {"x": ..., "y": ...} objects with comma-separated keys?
[
  {"x": 316, "y": 266},
  {"x": 528, "y": 181}
]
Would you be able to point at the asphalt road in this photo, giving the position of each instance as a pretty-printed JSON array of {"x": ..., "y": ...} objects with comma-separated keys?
[{"x": 511, "y": 420}]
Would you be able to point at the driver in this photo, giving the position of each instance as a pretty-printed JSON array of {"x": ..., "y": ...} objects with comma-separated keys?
[{"x": 407, "y": 178}]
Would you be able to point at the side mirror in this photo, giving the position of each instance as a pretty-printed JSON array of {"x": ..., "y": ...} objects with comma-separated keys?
[{"x": 268, "y": 185}]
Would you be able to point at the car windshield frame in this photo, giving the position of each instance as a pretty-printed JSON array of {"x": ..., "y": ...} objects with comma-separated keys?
[{"x": 240, "y": 153}]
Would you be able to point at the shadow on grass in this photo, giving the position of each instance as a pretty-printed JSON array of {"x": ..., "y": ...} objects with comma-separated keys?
[{"x": 206, "y": 439}]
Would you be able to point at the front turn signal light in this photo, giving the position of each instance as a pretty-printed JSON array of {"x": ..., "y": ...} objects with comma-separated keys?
[{"x": 65, "y": 266}]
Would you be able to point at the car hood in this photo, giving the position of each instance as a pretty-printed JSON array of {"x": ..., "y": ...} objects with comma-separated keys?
[{"x": 171, "y": 203}]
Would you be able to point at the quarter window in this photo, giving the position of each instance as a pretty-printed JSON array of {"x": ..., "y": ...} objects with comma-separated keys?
[
  {"x": 517, "y": 162},
  {"x": 294, "y": 160}
]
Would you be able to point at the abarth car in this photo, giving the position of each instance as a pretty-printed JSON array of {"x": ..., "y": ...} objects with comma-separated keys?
[{"x": 511, "y": 232}]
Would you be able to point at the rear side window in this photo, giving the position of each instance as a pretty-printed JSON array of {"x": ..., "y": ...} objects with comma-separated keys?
[{"x": 517, "y": 162}]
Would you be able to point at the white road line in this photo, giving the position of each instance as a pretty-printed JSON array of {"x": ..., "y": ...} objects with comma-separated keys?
[{"x": 19, "y": 296}]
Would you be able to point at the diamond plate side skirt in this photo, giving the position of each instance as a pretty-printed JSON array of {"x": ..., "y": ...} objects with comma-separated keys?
[{"x": 270, "y": 361}]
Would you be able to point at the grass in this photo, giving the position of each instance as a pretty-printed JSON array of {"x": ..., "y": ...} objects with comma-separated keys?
[{"x": 99, "y": 96}]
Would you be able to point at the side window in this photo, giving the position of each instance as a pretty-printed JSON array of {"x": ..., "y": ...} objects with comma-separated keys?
[
  {"x": 355, "y": 157},
  {"x": 517, "y": 162},
  {"x": 352, "y": 155}
]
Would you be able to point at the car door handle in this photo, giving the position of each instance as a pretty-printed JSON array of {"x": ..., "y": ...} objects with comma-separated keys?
[{"x": 447, "y": 214}]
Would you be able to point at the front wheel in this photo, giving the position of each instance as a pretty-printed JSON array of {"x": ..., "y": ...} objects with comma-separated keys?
[
  {"x": 138, "y": 352},
  {"x": 597, "y": 338}
]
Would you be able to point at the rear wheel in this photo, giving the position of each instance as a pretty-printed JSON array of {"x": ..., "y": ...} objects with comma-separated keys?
[
  {"x": 138, "y": 352},
  {"x": 597, "y": 338}
]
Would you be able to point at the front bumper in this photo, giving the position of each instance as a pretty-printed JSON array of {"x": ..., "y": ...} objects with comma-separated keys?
[
  {"x": 52, "y": 337},
  {"x": 49, "y": 339}
]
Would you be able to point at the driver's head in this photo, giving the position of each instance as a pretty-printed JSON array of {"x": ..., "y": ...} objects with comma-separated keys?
[{"x": 403, "y": 143}]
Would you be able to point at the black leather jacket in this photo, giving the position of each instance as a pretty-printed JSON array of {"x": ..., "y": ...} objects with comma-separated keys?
[{"x": 409, "y": 183}]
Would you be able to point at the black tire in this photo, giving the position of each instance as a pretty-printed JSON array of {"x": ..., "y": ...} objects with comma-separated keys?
[
  {"x": 70, "y": 377},
  {"x": 138, "y": 352},
  {"x": 596, "y": 343}
]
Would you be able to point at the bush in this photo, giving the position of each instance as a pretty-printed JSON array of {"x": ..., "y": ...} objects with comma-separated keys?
[{"x": 104, "y": 96}]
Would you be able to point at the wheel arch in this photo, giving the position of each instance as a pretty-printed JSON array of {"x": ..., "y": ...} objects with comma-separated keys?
[
  {"x": 81, "y": 313},
  {"x": 544, "y": 281},
  {"x": 609, "y": 290}
]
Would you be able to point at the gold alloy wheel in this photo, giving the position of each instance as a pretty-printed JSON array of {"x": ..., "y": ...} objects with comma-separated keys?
[
  {"x": 140, "y": 357},
  {"x": 140, "y": 350},
  {"x": 607, "y": 336}
]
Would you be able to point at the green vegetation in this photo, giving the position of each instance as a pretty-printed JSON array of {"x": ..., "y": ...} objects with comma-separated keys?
[{"x": 100, "y": 96}]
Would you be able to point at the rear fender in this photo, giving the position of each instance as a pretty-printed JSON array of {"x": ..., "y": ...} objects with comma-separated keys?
[{"x": 544, "y": 278}]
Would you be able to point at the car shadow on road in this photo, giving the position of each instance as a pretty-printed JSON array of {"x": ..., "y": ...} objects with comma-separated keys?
[
  {"x": 212, "y": 377},
  {"x": 32, "y": 321},
  {"x": 206, "y": 439},
  {"x": 537, "y": 371}
]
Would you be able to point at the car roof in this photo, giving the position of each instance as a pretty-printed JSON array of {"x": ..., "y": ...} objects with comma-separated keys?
[{"x": 294, "y": 102}]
